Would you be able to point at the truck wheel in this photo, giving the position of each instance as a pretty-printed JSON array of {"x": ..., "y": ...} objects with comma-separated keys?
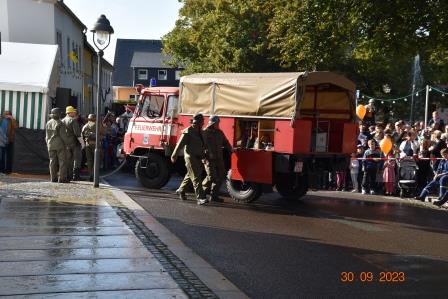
[
  {"x": 291, "y": 187},
  {"x": 243, "y": 192},
  {"x": 152, "y": 172}
]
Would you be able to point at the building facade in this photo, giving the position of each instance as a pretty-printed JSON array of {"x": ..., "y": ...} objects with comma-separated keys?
[
  {"x": 52, "y": 22},
  {"x": 49, "y": 22},
  {"x": 141, "y": 62}
]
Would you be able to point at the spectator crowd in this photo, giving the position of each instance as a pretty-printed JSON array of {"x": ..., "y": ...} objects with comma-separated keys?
[{"x": 371, "y": 170}]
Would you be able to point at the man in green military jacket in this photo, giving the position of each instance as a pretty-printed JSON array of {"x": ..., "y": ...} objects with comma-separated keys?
[
  {"x": 88, "y": 134},
  {"x": 194, "y": 153},
  {"x": 75, "y": 143},
  {"x": 57, "y": 139},
  {"x": 215, "y": 141}
]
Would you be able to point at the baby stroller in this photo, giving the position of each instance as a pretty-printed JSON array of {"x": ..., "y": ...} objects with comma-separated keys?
[{"x": 407, "y": 177}]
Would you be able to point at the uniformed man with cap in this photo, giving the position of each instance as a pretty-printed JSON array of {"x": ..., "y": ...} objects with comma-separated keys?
[
  {"x": 57, "y": 139},
  {"x": 215, "y": 141},
  {"x": 194, "y": 153},
  {"x": 75, "y": 143},
  {"x": 89, "y": 136}
]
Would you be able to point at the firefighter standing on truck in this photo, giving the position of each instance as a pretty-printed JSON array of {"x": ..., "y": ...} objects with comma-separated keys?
[
  {"x": 215, "y": 142},
  {"x": 56, "y": 139},
  {"x": 75, "y": 143},
  {"x": 89, "y": 136},
  {"x": 194, "y": 153}
]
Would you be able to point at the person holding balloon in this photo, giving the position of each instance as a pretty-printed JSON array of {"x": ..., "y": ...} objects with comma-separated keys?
[
  {"x": 366, "y": 113},
  {"x": 389, "y": 165},
  {"x": 389, "y": 173}
]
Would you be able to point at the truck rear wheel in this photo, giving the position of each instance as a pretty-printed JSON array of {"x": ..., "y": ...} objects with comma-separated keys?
[
  {"x": 152, "y": 171},
  {"x": 243, "y": 192},
  {"x": 291, "y": 186}
]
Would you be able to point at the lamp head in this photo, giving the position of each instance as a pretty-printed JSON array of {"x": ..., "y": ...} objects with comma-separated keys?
[{"x": 101, "y": 32}]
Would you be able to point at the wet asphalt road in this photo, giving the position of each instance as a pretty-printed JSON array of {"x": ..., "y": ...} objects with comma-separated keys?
[{"x": 278, "y": 249}]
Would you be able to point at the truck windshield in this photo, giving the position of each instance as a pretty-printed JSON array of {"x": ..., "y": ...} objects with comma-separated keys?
[{"x": 153, "y": 106}]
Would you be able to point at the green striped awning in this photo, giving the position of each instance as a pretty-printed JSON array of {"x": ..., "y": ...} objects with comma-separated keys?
[{"x": 29, "y": 108}]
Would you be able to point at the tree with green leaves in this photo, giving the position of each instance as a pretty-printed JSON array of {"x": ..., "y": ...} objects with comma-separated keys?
[
  {"x": 371, "y": 42},
  {"x": 222, "y": 36}
]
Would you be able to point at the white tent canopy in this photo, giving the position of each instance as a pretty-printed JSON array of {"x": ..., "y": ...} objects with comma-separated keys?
[
  {"x": 28, "y": 79},
  {"x": 28, "y": 68}
]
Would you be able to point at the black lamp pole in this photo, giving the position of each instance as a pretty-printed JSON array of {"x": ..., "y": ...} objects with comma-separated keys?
[{"x": 101, "y": 39}]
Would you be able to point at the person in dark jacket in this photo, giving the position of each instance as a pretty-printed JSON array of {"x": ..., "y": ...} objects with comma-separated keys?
[
  {"x": 9, "y": 124},
  {"x": 440, "y": 180},
  {"x": 371, "y": 163},
  {"x": 424, "y": 172},
  {"x": 436, "y": 120},
  {"x": 438, "y": 145}
]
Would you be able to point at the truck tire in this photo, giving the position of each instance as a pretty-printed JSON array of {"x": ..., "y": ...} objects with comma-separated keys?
[
  {"x": 291, "y": 187},
  {"x": 152, "y": 171},
  {"x": 242, "y": 192}
]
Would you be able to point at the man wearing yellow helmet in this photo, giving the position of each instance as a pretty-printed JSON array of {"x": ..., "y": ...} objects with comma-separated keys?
[{"x": 75, "y": 143}]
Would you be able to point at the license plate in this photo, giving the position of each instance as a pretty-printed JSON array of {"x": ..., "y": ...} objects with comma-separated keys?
[{"x": 298, "y": 167}]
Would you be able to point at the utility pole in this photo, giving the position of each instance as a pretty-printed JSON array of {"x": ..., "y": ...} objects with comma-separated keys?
[
  {"x": 411, "y": 120},
  {"x": 426, "y": 105}
]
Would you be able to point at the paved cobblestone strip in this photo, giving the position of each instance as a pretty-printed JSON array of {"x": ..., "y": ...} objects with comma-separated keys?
[{"x": 184, "y": 277}]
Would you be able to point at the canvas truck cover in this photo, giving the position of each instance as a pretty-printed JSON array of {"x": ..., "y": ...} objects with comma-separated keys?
[{"x": 276, "y": 95}]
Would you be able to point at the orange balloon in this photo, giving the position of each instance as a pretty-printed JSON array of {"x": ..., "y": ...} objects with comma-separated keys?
[
  {"x": 386, "y": 145},
  {"x": 361, "y": 111}
]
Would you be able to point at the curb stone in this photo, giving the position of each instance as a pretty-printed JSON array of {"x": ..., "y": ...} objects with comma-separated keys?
[{"x": 180, "y": 261}]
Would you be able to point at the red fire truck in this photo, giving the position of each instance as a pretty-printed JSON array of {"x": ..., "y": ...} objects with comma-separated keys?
[{"x": 281, "y": 126}]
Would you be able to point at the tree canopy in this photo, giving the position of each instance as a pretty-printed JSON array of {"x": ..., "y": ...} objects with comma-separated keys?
[{"x": 371, "y": 42}]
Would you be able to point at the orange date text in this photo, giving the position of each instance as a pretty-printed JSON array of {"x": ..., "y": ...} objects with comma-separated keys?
[{"x": 382, "y": 277}]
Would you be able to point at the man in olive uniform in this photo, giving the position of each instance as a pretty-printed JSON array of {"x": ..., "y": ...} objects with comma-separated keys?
[
  {"x": 215, "y": 141},
  {"x": 191, "y": 139},
  {"x": 88, "y": 134},
  {"x": 56, "y": 139},
  {"x": 75, "y": 143}
]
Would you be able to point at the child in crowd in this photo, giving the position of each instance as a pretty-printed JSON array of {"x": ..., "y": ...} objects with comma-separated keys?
[
  {"x": 360, "y": 154},
  {"x": 370, "y": 165},
  {"x": 354, "y": 171},
  {"x": 389, "y": 174}
]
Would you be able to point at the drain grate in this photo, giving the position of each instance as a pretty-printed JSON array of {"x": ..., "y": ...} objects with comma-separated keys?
[{"x": 184, "y": 277}]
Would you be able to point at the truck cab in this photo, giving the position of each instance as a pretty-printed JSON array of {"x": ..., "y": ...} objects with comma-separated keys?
[{"x": 152, "y": 133}]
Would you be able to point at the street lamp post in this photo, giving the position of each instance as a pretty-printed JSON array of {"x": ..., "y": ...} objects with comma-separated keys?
[
  {"x": 101, "y": 39},
  {"x": 411, "y": 120}
]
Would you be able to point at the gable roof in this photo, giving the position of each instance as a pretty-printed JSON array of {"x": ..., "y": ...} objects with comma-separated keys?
[
  {"x": 124, "y": 53},
  {"x": 146, "y": 59}
]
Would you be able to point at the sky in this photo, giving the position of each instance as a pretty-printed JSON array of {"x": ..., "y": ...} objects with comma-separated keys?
[{"x": 138, "y": 19}]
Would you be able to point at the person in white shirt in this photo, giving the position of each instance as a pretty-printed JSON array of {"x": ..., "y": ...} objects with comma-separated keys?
[
  {"x": 410, "y": 146},
  {"x": 354, "y": 171}
]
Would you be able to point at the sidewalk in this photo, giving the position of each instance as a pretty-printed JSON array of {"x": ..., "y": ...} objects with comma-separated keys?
[
  {"x": 74, "y": 241},
  {"x": 379, "y": 198}
]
